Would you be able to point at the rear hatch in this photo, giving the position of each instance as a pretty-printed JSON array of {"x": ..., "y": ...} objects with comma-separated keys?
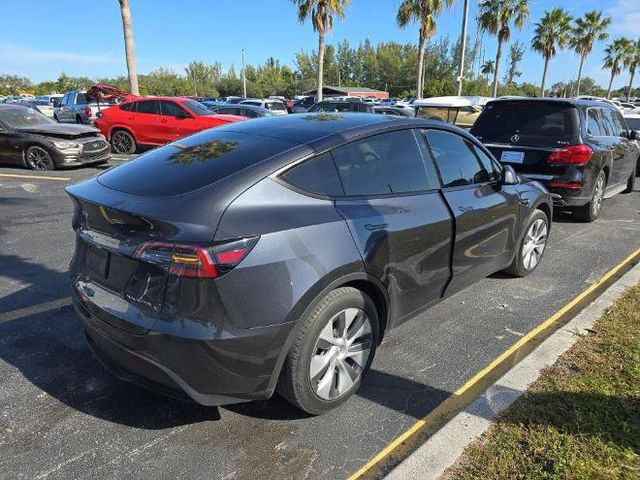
[
  {"x": 524, "y": 133},
  {"x": 168, "y": 198}
]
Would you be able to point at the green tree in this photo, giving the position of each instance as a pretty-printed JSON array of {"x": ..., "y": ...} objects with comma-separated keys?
[
  {"x": 551, "y": 33},
  {"x": 203, "y": 78},
  {"x": 586, "y": 31},
  {"x": 516, "y": 53},
  {"x": 631, "y": 61},
  {"x": 487, "y": 69},
  {"x": 495, "y": 17},
  {"x": 321, "y": 13},
  {"x": 424, "y": 12},
  {"x": 616, "y": 53}
]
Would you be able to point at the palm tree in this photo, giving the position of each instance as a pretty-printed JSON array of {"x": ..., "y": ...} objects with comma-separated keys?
[
  {"x": 616, "y": 53},
  {"x": 487, "y": 69},
  {"x": 551, "y": 33},
  {"x": 495, "y": 16},
  {"x": 321, "y": 13},
  {"x": 631, "y": 61},
  {"x": 587, "y": 30},
  {"x": 424, "y": 12},
  {"x": 129, "y": 49}
]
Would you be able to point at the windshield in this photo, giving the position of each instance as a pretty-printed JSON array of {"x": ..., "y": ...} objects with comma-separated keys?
[
  {"x": 196, "y": 107},
  {"x": 528, "y": 123},
  {"x": 24, "y": 118},
  {"x": 633, "y": 123}
]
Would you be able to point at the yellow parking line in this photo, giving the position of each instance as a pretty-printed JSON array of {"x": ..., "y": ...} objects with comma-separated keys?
[
  {"x": 455, "y": 401},
  {"x": 37, "y": 177}
]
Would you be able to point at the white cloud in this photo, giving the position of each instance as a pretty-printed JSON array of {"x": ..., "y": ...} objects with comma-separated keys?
[
  {"x": 10, "y": 53},
  {"x": 626, "y": 18}
]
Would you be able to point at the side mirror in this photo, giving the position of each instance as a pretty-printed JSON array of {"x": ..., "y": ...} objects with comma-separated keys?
[
  {"x": 509, "y": 176},
  {"x": 634, "y": 135}
]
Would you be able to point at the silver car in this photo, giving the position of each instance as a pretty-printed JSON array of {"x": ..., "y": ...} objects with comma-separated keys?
[{"x": 76, "y": 107}]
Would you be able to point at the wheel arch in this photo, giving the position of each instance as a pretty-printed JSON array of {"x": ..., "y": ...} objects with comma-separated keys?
[{"x": 127, "y": 129}]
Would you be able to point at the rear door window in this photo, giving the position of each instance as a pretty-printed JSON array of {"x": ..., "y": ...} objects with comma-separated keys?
[
  {"x": 149, "y": 106},
  {"x": 456, "y": 160},
  {"x": 129, "y": 107},
  {"x": 595, "y": 127},
  {"x": 388, "y": 163},
  {"x": 191, "y": 163},
  {"x": 534, "y": 123},
  {"x": 317, "y": 175},
  {"x": 614, "y": 119}
]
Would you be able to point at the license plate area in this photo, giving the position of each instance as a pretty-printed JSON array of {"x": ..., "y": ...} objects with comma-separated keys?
[
  {"x": 509, "y": 156},
  {"x": 97, "y": 261}
]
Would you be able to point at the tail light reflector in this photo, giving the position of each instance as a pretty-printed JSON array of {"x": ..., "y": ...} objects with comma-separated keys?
[
  {"x": 567, "y": 185},
  {"x": 195, "y": 261},
  {"x": 572, "y": 155}
]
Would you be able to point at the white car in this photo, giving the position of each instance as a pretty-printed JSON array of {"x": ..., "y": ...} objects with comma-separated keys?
[
  {"x": 275, "y": 106},
  {"x": 46, "y": 103}
]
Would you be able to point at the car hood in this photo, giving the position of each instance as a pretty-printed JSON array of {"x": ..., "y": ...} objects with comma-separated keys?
[{"x": 62, "y": 130}]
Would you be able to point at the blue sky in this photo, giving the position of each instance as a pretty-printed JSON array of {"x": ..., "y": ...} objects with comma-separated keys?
[{"x": 84, "y": 37}]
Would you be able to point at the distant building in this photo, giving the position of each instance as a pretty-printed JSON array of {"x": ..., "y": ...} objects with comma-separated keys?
[{"x": 333, "y": 91}]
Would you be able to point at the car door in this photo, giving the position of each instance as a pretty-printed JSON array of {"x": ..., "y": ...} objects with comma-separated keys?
[
  {"x": 619, "y": 173},
  {"x": 8, "y": 142},
  {"x": 486, "y": 213},
  {"x": 397, "y": 217},
  {"x": 182, "y": 121},
  {"x": 171, "y": 121},
  {"x": 628, "y": 148},
  {"x": 63, "y": 112},
  {"x": 147, "y": 122}
]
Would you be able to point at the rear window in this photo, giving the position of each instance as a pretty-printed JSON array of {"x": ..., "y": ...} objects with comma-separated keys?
[
  {"x": 528, "y": 123},
  {"x": 633, "y": 123},
  {"x": 191, "y": 163}
]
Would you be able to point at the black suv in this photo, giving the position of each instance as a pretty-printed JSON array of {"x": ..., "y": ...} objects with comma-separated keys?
[{"x": 581, "y": 150}]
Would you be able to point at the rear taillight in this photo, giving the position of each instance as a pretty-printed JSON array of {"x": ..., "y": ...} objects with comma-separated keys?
[
  {"x": 87, "y": 110},
  {"x": 572, "y": 155},
  {"x": 567, "y": 185},
  {"x": 195, "y": 261}
]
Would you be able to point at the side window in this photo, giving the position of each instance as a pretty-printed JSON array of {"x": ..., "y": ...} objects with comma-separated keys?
[
  {"x": 63, "y": 101},
  {"x": 248, "y": 113},
  {"x": 488, "y": 164},
  {"x": 129, "y": 107},
  {"x": 382, "y": 164},
  {"x": 149, "y": 106},
  {"x": 317, "y": 175},
  {"x": 594, "y": 123},
  {"x": 618, "y": 122},
  {"x": 81, "y": 99},
  {"x": 455, "y": 159},
  {"x": 611, "y": 122},
  {"x": 171, "y": 109}
]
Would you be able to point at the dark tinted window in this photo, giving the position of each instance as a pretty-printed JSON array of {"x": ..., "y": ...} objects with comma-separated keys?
[
  {"x": 196, "y": 107},
  {"x": 594, "y": 123},
  {"x": 534, "y": 123},
  {"x": 172, "y": 109},
  {"x": 455, "y": 159},
  {"x": 192, "y": 163},
  {"x": 129, "y": 107},
  {"x": 633, "y": 123},
  {"x": 318, "y": 175},
  {"x": 487, "y": 163},
  {"x": 228, "y": 111},
  {"x": 386, "y": 163},
  {"x": 613, "y": 117},
  {"x": 149, "y": 106},
  {"x": 81, "y": 99},
  {"x": 248, "y": 113}
]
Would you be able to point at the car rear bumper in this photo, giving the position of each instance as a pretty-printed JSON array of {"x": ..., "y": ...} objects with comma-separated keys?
[
  {"x": 564, "y": 197},
  {"x": 226, "y": 368}
]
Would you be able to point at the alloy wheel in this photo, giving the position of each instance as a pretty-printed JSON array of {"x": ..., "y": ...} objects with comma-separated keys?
[
  {"x": 535, "y": 242},
  {"x": 340, "y": 354},
  {"x": 598, "y": 195},
  {"x": 122, "y": 142},
  {"x": 39, "y": 159}
]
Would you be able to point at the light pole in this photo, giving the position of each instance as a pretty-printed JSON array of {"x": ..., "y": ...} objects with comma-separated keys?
[
  {"x": 244, "y": 78},
  {"x": 463, "y": 45}
]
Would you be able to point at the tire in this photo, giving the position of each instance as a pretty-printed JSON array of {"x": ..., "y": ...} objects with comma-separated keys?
[
  {"x": 591, "y": 211},
  {"x": 38, "y": 158},
  {"x": 630, "y": 182},
  {"x": 55, "y": 117},
  {"x": 321, "y": 362},
  {"x": 122, "y": 142},
  {"x": 79, "y": 119},
  {"x": 532, "y": 246}
]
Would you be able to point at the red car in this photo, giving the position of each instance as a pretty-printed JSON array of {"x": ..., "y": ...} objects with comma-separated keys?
[{"x": 156, "y": 121}]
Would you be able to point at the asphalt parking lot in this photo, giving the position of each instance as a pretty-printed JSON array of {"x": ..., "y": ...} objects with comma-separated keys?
[{"x": 63, "y": 416}]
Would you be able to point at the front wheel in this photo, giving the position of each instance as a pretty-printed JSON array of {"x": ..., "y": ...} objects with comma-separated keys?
[
  {"x": 532, "y": 246},
  {"x": 122, "y": 142},
  {"x": 37, "y": 158},
  {"x": 334, "y": 347}
]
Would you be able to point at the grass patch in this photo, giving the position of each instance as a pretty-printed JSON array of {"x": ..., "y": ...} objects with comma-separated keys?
[{"x": 580, "y": 419}]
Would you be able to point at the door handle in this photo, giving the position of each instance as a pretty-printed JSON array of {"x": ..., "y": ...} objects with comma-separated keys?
[
  {"x": 466, "y": 209},
  {"x": 129, "y": 118},
  {"x": 375, "y": 226}
]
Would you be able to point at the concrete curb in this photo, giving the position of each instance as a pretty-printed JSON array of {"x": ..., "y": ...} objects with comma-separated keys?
[{"x": 443, "y": 448}]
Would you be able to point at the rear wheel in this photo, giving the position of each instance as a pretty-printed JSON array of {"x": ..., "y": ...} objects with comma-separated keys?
[
  {"x": 333, "y": 349},
  {"x": 591, "y": 211},
  {"x": 532, "y": 246},
  {"x": 37, "y": 158},
  {"x": 123, "y": 142}
]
